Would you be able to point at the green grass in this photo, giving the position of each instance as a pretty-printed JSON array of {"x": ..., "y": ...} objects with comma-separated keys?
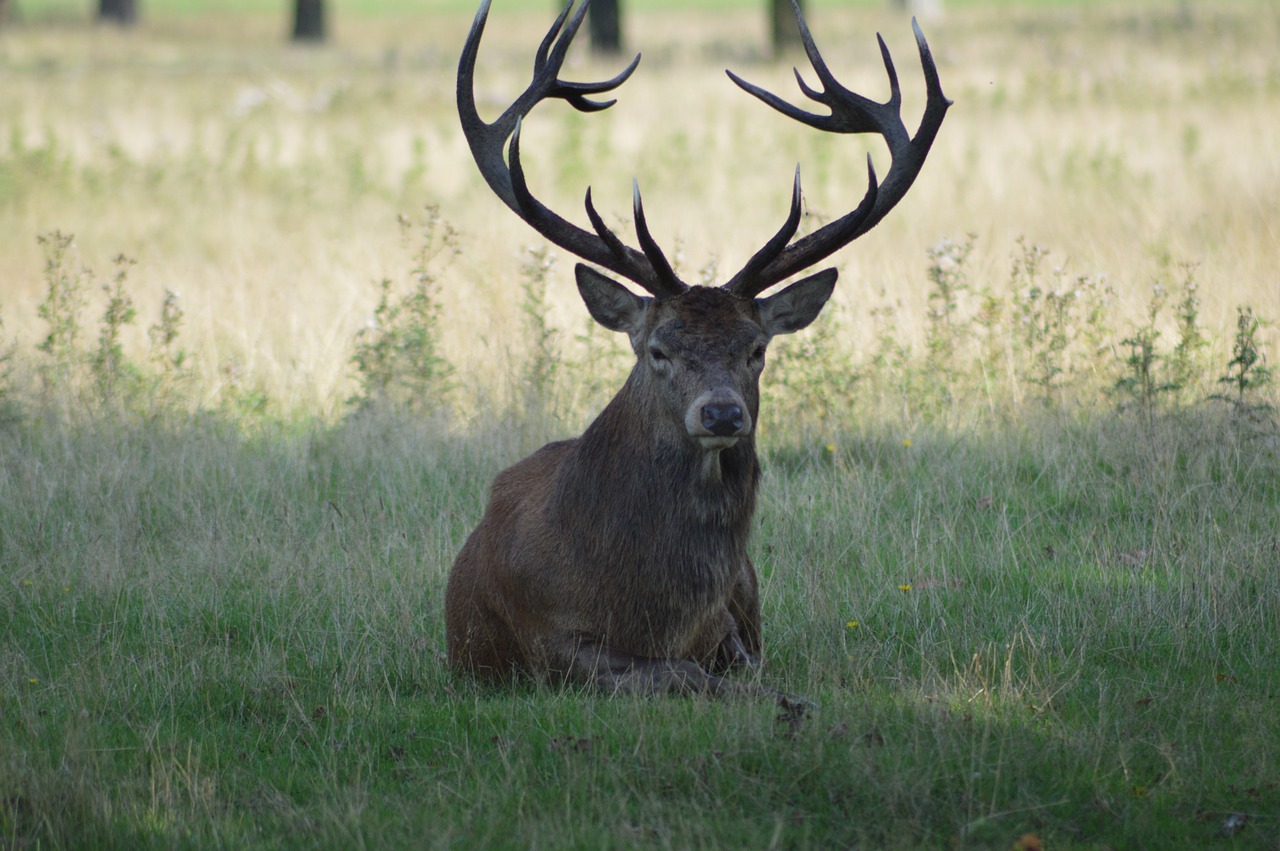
[
  {"x": 219, "y": 640},
  {"x": 1033, "y": 588}
]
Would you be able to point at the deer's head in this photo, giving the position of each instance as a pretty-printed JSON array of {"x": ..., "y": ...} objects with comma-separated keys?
[
  {"x": 700, "y": 349},
  {"x": 701, "y": 352}
]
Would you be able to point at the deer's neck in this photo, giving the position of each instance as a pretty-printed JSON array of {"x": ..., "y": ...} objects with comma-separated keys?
[{"x": 634, "y": 461}]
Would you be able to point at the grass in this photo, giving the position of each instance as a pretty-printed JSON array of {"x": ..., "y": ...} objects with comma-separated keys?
[
  {"x": 1067, "y": 632},
  {"x": 1024, "y": 562}
]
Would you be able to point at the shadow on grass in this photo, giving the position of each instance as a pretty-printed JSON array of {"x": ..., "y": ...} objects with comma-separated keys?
[{"x": 1062, "y": 628}]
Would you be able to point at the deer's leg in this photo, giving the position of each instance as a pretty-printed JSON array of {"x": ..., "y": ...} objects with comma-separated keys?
[
  {"x": 742, "y": 645},
  {"x": 479, "y": 641},
  {"x": 732, "y": 653},
  {"x": 620, "y": 672}
]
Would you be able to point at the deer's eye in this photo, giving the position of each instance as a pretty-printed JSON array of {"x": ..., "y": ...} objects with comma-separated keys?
[
  {"x": 758, "y": 354},
  {"x": 658, "y": 355}
]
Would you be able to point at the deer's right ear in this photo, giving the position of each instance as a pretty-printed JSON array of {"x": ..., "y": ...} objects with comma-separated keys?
[{"x": 611, "y": 304}]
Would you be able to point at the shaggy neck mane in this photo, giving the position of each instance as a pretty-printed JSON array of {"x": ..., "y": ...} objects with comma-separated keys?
[{"x": 658, "y": 479}]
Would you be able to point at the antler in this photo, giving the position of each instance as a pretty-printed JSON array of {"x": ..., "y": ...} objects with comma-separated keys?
[
  {"x": 649, "y": 268},
  {"x": 850, "y": 113}
]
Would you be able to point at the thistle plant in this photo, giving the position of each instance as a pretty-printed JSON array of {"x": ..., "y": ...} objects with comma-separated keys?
[
  {"x": 397, "y": 356},
  {"x": 1141, "y": 382},
  {"x": 65, "y": 299},
  {"x": 948, "y": 277},
  {"x": 1184, "y": 362},
  {"x": 1246, "y": 371},
  {"x": 543, "y": 364},
  {"x": 990, "y": 318},
  {"x": 112, "y": 375},
  {"x": 169, "y": 360},
  {"x": 1042, "y": 314},
  {"x": 8, "y": 408},
  {"x": 1052, "y": 321},
  {"x": 238, "y": 396}
]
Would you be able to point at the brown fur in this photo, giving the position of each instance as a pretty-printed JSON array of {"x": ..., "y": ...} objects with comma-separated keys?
[{"x": 620, "y": 558}]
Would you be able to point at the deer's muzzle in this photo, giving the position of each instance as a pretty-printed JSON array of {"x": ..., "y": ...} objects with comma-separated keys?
[{"x": 717, "y": 418}]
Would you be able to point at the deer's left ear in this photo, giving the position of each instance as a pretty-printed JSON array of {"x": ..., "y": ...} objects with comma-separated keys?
[{"x": 798, "y": 305}]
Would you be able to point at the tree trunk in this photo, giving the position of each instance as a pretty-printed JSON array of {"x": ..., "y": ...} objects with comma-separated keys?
[
  {"x": 604, "y": 25},
  {"x": 308, "y": 20},
  {"x": 786, "y": 34},
  {"x": 122, "y": 12}
]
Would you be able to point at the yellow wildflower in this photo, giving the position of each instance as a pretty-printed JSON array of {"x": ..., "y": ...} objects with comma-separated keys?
[
  {"x": 906, "y": 587},
  {"x": 852, "y": 624}
]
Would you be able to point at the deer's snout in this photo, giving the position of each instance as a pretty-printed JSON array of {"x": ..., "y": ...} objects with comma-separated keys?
[
  {"x": 722, "y": 420},
  {"x": 717, "y": 418}
]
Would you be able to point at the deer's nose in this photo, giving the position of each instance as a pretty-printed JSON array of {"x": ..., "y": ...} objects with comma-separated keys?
[{"x": 722, "y": 420}]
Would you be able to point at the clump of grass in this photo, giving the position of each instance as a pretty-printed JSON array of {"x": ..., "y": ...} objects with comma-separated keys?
[
  {"x": 812, "y": 377},
  {"x": 601, "y": 367},
  {"x": 239, "y": 395}
]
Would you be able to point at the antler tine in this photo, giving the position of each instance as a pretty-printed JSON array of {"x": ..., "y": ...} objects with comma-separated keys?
[
  {"x": 617, "y": 246},
  {"x": 671, "y": 284},
  {"x": 549, "y": 65},
  {"x": 506, "y": 177},
  {"x": 651, "y": 250},
  {"x": 771, "y": 248},
  {"x": 850, "y": 113},
  {"x": 540, "y": 58}
]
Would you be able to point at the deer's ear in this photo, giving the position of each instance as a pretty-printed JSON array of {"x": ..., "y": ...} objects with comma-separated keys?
[
  {"x": 611, "y": 304},
  {"x": 798, "y": 305}
]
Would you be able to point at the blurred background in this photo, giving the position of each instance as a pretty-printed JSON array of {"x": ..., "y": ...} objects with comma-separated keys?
[{"x": 264, "y": 166}]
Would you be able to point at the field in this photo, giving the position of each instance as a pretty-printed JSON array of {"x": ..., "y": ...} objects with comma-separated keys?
[{"x": 267, "y": 337}]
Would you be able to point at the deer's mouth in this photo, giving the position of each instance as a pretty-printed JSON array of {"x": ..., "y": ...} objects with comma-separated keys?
[{"x": 714, "y": 443}]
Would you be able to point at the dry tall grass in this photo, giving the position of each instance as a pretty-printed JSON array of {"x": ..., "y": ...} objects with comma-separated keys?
[{"x": 263, "y": 182}]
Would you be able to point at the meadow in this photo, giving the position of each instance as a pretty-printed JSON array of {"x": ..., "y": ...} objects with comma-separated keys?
[{"x": 267, "y": 338}]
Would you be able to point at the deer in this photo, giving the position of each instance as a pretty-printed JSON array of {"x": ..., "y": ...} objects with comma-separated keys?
[{"x": 618, "y": 560}]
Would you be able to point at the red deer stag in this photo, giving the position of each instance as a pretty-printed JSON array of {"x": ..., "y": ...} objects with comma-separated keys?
[{"x": 620, "y": 558}]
